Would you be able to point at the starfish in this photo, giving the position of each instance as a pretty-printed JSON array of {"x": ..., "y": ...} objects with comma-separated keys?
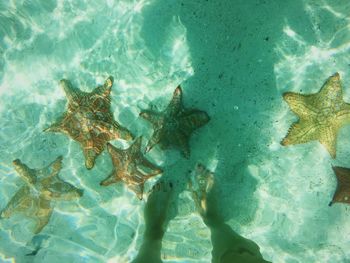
[
  {"x": 42, "y": 186},
  {"x": 131, "y": 167},
  {"x": 342, "y": 193},
  {"x": 89, "y": 120},
  {"x": 174, "y": 126},
  {"x": 321, "y": 115}
]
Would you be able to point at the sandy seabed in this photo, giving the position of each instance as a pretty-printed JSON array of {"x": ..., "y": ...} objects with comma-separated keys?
[{"x": 234, "y": 59}]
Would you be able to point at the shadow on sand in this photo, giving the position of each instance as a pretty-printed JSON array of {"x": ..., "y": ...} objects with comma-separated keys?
[{"x": 232, "y": 51}]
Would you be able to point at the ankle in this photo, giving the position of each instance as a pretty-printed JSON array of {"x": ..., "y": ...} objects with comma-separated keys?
[{"x": 154, "y": 234}]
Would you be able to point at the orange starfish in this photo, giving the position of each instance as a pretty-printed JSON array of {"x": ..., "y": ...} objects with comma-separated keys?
[
  {"x": 89, "y": 120},
  {"x": 131, "y": 167}
]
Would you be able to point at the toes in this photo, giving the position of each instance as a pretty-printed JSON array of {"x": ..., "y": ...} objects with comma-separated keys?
[{"x": 162, "y": 186}]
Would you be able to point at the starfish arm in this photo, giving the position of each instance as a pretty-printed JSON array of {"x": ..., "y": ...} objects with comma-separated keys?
[
  {"x": 331, "y": 90},
  {"x": 53, "y": 168},
  {"x": 42, "y": 214},
  {"x": 57, "y": 189},
  {"x": 300, "y": 132},
  {"x": 90, "y": 156},
  {"x": 100, "y": 106},
  {"x": 135, "y": 148},
  {"x": 181, "y": 141},
  {"x": 93, "y": 142},
  {"x": 155, "y": 170},
  {"x": 73, "y": 94},
  {"x": 343, "y": 115},
  {"x": 104, "y": 131},
  {"x": 100, "y": 140},
  {"x": 342, "y": 193},
  {"x": 117, "y": 155},
  {"x": 121, "y": 132},
  {"x": 111, "y": 179},
  {"x": 20, "y": 202},
  {"x": 57, "y": 126},
  {"x": 175, "y": 104},
  {"x": 152, "y": 116},
  {"x": 300, "y": 105},
  {"x": 56, "y": 165},
  {"x": 24, "y": 171},
  {"x": 105, "y": 89},
  {"x": 93, "y": 146},
  {"x": 193, "y": 119},
  {"x": 328, "y": 138},
  {"x": 155, "y": 139},
  {"x": 100, "y": 98},
  {"x": 137, "y": 188}
]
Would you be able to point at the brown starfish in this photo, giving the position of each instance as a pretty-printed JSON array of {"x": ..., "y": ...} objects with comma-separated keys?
[
  {"x": 174, "y": 126},
  {"x": 89, "y": 120},
  {"x": 342, "y": 193},
  {"x": 42, "y": 186},
  {"x": 321, "y": 115},
  {"x": 131, "y": 167}
]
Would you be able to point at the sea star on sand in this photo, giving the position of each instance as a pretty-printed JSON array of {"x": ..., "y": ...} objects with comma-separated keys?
[
  {"x": 131, "y": 167},
  {"x": 174, "y": 126},
  {"x": 42, "y": 186},
  {"x": 89, "y": 120},
  {"x": 321, "y": 115},
  {"x": 342, "y": 193}
]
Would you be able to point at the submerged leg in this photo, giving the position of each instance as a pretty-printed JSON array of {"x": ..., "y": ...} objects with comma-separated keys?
[
  {"x": 228, "y": 246},
  {"x": 156, "y": 211}
]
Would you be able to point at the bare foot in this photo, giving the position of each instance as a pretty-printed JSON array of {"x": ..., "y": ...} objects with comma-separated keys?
[
  {"x": 228, "y": 246},
  {"x": 201, "y": 182},
  {"x": 156, "y": 211}
]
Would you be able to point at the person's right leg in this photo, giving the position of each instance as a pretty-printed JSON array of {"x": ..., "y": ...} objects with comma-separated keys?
[{"x": 228, "y": 246}]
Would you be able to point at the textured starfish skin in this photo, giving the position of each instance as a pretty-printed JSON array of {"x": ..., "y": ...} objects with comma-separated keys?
[
  {"x": 89, "y": 120},
  {"x": 342, "y": 193},
  {"x": 321, "y": 115},
  {"x": 131, "y": 167},
  {"x": 173, "y": 126},
  {"x": 42, "y": 186}
]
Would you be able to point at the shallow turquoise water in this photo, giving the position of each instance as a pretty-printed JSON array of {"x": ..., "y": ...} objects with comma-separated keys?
[{"x": 234, "y": 59}]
